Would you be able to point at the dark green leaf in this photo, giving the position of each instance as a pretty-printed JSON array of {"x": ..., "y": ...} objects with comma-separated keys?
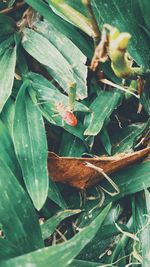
[
  {"x": 63, "y": 254},
  {"x": 78, "y": 263},
  {"x": 7, "y": 115},
  {"x": 31, "y": 146},
  {"x": 6, "y": 44},
  {"x": 104, "y": 136},
  {"x": 17, "y": 215},
  {"x": 120, "y": 13},
  {"x": 7, "y": 152},
  {"x": 48, "y": 55},
  {"x": 145, "y": 12},
  {"x": 7, "y": 250},
  {"x": 48, "y": 92},
  {"x": 7, "y": 25},
  {"x": 50, "y": 225},
  {"x": 141, "y": 212},
  {"x": 70, "y": 52},
  {"x": 61, "y": 25},
  {"x": 7, "y": 71},
  {"x": 101, "y": 107},
  {"x": 123, "y": 139},
  {"x": 129, "y": 181},
  {"x": 71, "y": 146},
  {"x": 55, "y": 195}
]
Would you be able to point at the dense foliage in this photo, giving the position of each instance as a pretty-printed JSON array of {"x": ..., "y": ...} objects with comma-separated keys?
[{"x": 52, "y": 98}]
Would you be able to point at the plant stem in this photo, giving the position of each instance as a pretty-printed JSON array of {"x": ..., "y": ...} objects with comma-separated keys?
[
  {"x": 87, "y": 4},
  {"x": 75, "y": 17}
]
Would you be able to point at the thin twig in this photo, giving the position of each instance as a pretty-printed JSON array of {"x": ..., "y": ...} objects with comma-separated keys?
[
  {"x": 87, "y": 4},
  {"x": 105, "y": 81},
  {"x": 99, "y": 170},
  {"x": 61, "y": 235}
]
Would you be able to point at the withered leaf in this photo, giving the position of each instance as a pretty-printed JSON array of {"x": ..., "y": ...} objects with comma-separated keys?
[
  {"x": 74, "y": 172},
  {"x": 100, "y": 53}
]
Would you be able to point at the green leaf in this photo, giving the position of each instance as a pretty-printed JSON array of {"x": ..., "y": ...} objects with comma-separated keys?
[
  {"x": 50, "y": 225},
  {"x": 48, "y": 113},
  {"x": 99, "y": 244},
  {"x": 141, "y": 213},
  {"x": 7, "y": 152},
  {"x": 31, "y": 146},
  {"x": 76, "y": 131},
  {"x": 129, "y": 181},
  {"x": 144, "y": 6},
  {"x": 7, "y": 71},
  {"x": 145, "y": 234},
  {"x": 48, "y": 55},
  {"x": 48, "y": 92},
  {"x": 7, "y": 25},
  {"x": 7, "y": 249},
  {"x": 17, "y": 215},
  {"x": 79, "y": 6},
  {"x": 55, "y": 195},
  {"x": 120, "y": 13},
  {"x": 71, "y": 53},
  {"x": 21, "y": 57},
  {"x": 7, "y": 115},
  {"x": 104, "y": 136},
  {"x": 145, "y": 98},
  {"x": 63, "y": 254},
  {"x": 6, "y": 44},
  {"x": 101, "y": 107},
  {"x": 67, "y": 29},
  {"x": 71, "y": 146},
  {"x": 122, "y": 244},
  {"x": 78, "y": 263},
  {"x": 70, "y": 14},
  {"x": 123, "y": 139}
]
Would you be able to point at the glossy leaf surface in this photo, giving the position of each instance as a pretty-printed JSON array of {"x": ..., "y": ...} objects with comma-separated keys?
[
  {"x": 7, "y": 71},
  {"x": 31, "y": 146}
]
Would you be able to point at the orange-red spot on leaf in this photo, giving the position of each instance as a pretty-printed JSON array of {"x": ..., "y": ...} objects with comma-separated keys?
[{"x": 69, "y": 118}]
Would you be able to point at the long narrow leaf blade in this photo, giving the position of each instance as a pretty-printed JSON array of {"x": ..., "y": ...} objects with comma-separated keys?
[
  {"x": 63, "y": 254},
  {"x": 7, "y": 152},
  {"x": 48, "y": 55},
  {"x": 17, "y": 215},
  {"x": 71, "y": 53},
  {"x": 101, "y": 107},
  {"x": 50, "y": 225},
  {"x": 31, "y": 146},
  {"x": 7, "y": 70}
]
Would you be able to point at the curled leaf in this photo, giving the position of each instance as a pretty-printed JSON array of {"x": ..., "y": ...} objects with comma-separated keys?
[{"x": 74, "y": 172}]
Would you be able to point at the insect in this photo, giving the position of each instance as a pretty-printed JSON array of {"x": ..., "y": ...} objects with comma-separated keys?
[{"x": 66, "y": 114}]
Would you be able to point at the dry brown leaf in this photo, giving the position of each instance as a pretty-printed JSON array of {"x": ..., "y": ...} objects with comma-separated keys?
[
  {"x": 74, "y": 172},
  {"x": 100, "y": 53}
]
